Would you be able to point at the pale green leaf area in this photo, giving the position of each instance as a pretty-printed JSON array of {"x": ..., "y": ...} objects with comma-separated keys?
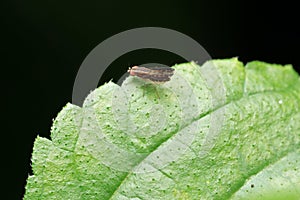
[{"x": 218, "y": 131}]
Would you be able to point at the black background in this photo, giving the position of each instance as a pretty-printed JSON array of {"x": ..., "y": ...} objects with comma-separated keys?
[{"x": 44, "y": 43}]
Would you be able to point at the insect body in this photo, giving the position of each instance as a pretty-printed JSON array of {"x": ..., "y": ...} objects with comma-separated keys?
[{"x": 155, "y": 74}]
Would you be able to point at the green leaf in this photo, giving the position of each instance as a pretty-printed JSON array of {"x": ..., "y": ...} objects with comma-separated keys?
[{"x": 219, "y": 131}]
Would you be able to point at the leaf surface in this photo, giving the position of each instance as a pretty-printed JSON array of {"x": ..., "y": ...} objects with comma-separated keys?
[{"x": 219, "y": 131}]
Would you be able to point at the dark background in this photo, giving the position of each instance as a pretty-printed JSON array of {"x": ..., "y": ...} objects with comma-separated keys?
[{"x": 44, "y": 43}]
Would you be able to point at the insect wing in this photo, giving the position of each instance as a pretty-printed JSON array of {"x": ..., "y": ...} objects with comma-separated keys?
[
  {"x": 155, "y": 74},
  {"x": 161, "y": 74}
]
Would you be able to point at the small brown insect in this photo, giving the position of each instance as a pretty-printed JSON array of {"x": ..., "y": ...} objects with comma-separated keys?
[{"x": 155, "y": 74}]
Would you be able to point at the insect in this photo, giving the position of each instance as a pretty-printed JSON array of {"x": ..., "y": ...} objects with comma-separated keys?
[{"x": 155, "y": 74}]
